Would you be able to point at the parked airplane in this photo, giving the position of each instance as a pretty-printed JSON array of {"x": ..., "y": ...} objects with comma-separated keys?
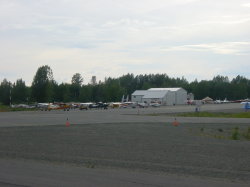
[
  {"x": 127, "y": 104},
  {"x": 99, "y": 105},
  {"x": 115, "y": 104},
  {"x": 246, "y": 105},
  {"x": 22, "y": 106},
  {"x": 191, "y": 102},
  {"x": 125, "y": 100},
  {"x": 53, "y": 106},
  {"x": 43, "y": 106},
  {"x": 143, "y": 105},
  {"x": 84, "y": 106},
  {"x": 155, "y": 104},
  {"x": 217, "y": 102}
]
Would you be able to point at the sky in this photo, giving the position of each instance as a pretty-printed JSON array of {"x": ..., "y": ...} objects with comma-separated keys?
[{"x": 195, "y": 39}]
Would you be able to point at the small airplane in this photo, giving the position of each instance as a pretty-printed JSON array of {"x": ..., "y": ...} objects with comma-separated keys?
[
  {"x": 99, "y": 105},
  {"x": 42, "y": 106},
  {"x": 246, "y": 105},
  {"x": 53, "y": 106},
  {"x": 190, "y": 102},
  {"x": 127, "y": 104},
  {"x": 225, "y": 101},
  {"x": 84, "y": 106},
  {"x": 142, "y": 105},
  {"x": 22, "y": 106},
  {"x": 155, "y": 104},
  {"x": 217, "y": 102},
  {"x": 115, "y": 105}
]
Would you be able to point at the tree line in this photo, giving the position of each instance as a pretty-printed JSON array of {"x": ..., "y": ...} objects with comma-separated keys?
[{"x": 45, "y": 89}]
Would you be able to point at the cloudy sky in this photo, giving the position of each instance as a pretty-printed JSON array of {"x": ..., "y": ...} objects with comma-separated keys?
[{"x": 109, "y": 38}]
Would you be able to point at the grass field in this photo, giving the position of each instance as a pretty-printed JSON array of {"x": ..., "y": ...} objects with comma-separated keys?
[
  {"x": 216, "y": 114},
  {"x": 157, "y": 147},
  {"x": 208, "y": 114},
  {"x": 234, "y": 133}
]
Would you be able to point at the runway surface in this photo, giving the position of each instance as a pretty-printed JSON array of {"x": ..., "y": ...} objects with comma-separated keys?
[
  {"x": 121, "y": 147},
  {"x": 116, "y": 115},
  {"x": 27, "y": 173}
]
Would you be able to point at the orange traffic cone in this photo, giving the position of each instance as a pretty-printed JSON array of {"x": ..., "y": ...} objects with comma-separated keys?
[
  {"x": 175, "y": 123},
  {"x": 67, "y": 123}
]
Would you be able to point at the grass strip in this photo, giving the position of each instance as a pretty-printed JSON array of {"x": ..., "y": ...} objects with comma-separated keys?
[{"x": 216, "y": 115}]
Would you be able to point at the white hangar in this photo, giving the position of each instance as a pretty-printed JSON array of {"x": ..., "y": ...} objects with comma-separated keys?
[{"x": 164, "y": 96}]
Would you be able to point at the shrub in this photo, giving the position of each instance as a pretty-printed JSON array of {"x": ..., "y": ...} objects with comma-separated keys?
[
  {"x": 247, "y": 134},
  {"x": 220, "y": 130},
  {"x": 235, "y": 134}
]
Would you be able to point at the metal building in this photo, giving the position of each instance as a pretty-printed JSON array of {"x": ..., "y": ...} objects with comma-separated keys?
[{"x": 164, "y": 96}]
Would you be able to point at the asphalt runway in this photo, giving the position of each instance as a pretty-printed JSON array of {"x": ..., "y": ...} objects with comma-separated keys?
[
  {"x": 121, "y": 137},
  {"x": 20, "y": 173},
  {"x": 126, "y": 115}
]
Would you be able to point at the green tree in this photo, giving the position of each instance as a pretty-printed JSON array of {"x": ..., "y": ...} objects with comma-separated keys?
[
  {"x": 77, "y": 79},
  {"x": 202, "y": 89},
  {"x": 76, "y": 83},
  {"x": 128, "y": 83},
  {"x": 239, "y": 88},
  {"x": 42, "y": 85},
  {"x": 5, "y": 92},
  {"x": 86, "y": 93},
  {"x": 112, "y": 90},
  {"x": 20, "y": 92},
  {"x": 62, "y": 92},
  {"x": 220, "y": 87}
]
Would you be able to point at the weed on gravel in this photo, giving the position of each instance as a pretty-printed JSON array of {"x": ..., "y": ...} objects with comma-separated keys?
[{"x": 226, "y": 134}]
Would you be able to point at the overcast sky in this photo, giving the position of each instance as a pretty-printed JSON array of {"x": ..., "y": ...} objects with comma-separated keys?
[{"x": 109, "y": 38}]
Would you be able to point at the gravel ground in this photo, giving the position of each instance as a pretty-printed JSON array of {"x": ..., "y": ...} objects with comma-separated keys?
[
  {"x": 126, "y": 139},
  {"x": 156, "y": 147}
]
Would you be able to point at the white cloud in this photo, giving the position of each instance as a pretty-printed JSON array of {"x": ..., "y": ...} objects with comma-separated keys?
[
  {"x": 246, "y": 5},
  {"x": 227, "y": 48},
  {"x": 111, "y": 38}
]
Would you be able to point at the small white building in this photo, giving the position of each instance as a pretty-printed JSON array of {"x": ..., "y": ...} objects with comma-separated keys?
[{"x": 164, "y": 96}]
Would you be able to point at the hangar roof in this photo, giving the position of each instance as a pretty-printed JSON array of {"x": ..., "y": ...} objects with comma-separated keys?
[
  {"x": 161, "y": 89},
  {"x": 155, "y": 94},
  {"x": 140, "y": 92}
]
